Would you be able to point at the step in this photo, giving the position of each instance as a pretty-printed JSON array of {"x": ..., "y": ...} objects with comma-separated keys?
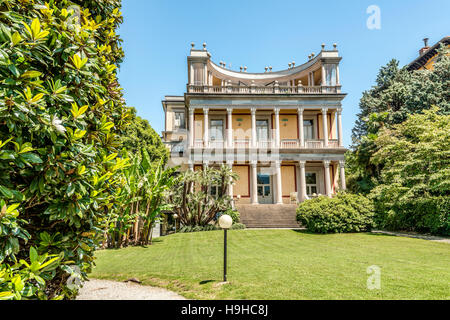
[{"x": 268, "y": 216}]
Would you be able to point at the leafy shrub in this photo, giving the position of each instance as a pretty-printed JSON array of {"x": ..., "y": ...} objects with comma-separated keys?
[
  {"x": 238, "y": 226},
  {"x": 191, "y": 197},
  {"x": 233, "y": 213},
  {"x": 62, "y": 111},
  {"x": 344, "y": 213},
  {"x": 414, "y": 187},
  {"x": 209, "y": 227}
]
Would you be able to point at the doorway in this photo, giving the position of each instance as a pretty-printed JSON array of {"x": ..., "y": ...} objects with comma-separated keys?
[{"x": 265, "y": 194}]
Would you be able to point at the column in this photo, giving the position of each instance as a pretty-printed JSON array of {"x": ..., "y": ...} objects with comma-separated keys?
[
  {"x": 205, "y": 75},
  {"x": 323, "y": 76},
  {"x": 338, "y": 82},
  {"x": 342, "y": 174},
  {"x": 253, "y": 112},
  {"x": 191, "y": 127},
  {"x": 279, "y": 193},
  {"x": 205, "y": 128},
  {"x": 302, "y": 189},
  {"x": 300, "y": 127},
  {"x": 230, "y": 127},
  {"x": 254, "y": 183},
  {"x": 339, "y": 123},
  {"x": 191, "y": 74},
  {"x": 326, "y": 167},
  {"x": 230, "y": 186},
  {"x": 325, "y": 127},
  {"x": 277, "y": 127}
]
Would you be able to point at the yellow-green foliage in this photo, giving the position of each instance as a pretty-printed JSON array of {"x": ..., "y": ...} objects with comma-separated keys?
[{"x": 61, "y": 111}]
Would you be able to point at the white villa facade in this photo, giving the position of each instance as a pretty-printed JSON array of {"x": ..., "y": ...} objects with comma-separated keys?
[{"x": 281, "y": 132}]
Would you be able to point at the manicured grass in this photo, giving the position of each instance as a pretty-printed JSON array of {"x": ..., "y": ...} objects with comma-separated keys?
[{"x": 285, "y": 264}]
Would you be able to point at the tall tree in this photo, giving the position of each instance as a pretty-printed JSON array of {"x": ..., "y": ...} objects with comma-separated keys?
[
  {"x": 141, "y": 136},
  {"x": 397, "y": 94},
  {"x": 414, "y": 188}
]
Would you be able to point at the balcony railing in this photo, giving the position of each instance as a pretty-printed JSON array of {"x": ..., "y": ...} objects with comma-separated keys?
[
  {"x": 284, "y": 144},
  {"x": 263, "y": 89},
  {"x": 241, "y": 143},
  {"x": 290, "y": 144}
]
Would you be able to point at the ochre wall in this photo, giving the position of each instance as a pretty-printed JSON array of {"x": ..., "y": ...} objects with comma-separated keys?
[
  {"x": 332, "y": 125},
  {"x": 430, "y": 63},
  {"x": 242, "y": 129},
  {"x": 198, "y": 123},
  {"x": 241, "y": 186},
  {"x": 289, "y": 128},
  {"x": 288, "y": 180}
]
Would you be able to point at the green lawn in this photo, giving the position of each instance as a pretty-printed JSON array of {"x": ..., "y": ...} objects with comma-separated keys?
[{"x": 285, "y": 264}]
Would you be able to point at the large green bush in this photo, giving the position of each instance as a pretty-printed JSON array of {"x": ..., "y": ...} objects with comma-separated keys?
[
  {"x": 414, "y": 187},
  {"x": 344, "y": 213},
  {"x": 61, "y": 111}
]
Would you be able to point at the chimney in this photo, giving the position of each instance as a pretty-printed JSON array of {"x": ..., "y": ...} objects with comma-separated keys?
[{"x": 425, "y": 48}]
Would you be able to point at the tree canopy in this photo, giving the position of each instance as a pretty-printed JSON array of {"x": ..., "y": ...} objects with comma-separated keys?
[
  {"x": 414, "y": 187},
  {"x": 397, "y": 94},
  {"x": 140, "y": 136}
]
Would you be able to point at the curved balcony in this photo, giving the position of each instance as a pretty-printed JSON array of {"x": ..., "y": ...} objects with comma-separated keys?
[{"x": 232, "y": 89}]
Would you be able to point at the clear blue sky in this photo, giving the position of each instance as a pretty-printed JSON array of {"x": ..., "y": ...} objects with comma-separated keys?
[{"x": 257, "y": 33}]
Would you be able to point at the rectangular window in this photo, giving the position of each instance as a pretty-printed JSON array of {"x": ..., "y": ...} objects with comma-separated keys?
[
  {"x": 199, "y": 71},
  {"x": 216, "y": 130},
  {"x": 308, "y": 129},
  {"x": 311, "y": 184},
  {"x": 330, "y": 70},
  {"x": 179, "y": 120},
  {"x": 215, "y": 191},
  {"x": 262, "y": 130}
]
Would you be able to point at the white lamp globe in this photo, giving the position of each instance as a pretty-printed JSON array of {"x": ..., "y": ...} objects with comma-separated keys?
[
  {"x": 225, "y": 221},
  {"x": 175, "y": 216}
]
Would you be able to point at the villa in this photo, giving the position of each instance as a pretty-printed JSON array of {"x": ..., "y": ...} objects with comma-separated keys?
[{"x": 281, "y": 132}]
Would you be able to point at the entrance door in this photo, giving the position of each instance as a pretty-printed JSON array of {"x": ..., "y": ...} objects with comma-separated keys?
[{"x": 264, "y": 189}]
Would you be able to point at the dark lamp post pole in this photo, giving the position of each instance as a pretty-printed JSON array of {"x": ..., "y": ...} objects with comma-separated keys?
[{"x": 225, "y": 222}]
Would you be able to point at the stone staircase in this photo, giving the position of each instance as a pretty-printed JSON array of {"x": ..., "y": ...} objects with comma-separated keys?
[{"x": 268, "y": 215}]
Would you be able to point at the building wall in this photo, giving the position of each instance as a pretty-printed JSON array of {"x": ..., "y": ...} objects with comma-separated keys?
[
  {"x": 288, "y": 180},
  {"x": 242, "y": 184},
  {"x": 242, "y": 126},
  {"x": 198, "y": 126},
  {"x": 288, "y": 126},
  {"x": 430, "y": 63}
]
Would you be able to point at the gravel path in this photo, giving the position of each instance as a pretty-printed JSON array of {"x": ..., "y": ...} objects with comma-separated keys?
[
  {"x": 113, "y": 290},
  {"x": 414, "y": 235}
]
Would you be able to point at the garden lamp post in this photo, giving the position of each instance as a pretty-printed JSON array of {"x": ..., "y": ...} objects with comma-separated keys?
[
  {"x": 175, "y": 217},
  {"x": 225, "y": 222}
]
